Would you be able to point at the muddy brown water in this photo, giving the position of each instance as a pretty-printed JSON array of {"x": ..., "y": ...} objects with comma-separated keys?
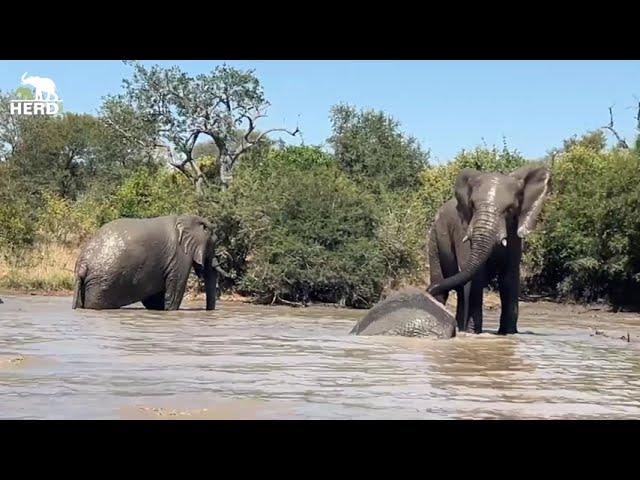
[{"x": 254, "y": 362}]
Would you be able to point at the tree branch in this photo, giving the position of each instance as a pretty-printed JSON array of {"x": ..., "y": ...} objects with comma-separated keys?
[
  {"x": 621, "y": 142},
  {"x": 128, "y": 135},
  {"x": 251, "y": 121},
  {"x": 262, "y": 134}
]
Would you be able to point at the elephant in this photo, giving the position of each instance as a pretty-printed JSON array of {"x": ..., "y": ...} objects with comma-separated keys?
[
  {"x": 408, "y": 312},
  {"x": 42, "y": 86},
  {"x": 148, "y": 260},
  {"x": 477, "y": 236}
]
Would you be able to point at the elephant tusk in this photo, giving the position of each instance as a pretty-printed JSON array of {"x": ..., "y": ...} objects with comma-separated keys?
[
  {"x": 504, "y": 242},
  {"x": 465, "y": 238}
]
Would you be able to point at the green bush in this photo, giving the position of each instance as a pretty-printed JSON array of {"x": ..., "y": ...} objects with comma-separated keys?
[
  {"x": 369, "y": 146},
  {"x": 294, "y": 227},
  {"x": 588, "y": 247},
  {"x": 17, "y": 216},
  {"x": 147, "y": 193}
]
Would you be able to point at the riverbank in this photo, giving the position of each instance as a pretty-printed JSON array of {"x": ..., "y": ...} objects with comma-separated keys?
[
  {"x": 47, "y": 270},
  {"x": 491, "y": 302}
]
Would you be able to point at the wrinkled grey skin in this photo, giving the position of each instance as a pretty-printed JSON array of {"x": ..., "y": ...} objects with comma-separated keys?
[
  {"x": 477, "y": 235},
  {"x": 408, "y": 313},
  {"x": 148, "y": 260}
]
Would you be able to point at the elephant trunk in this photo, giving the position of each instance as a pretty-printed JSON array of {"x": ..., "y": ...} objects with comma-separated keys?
[{"x": 483, "y": 238}]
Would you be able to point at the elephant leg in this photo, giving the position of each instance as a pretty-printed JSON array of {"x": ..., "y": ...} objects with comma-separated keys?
[
  {"x": 463, "y": 292},
  {"x": 509, "y": 292},
  {"x": 435, "y": 276},
  {"x": 462, "y": 308},
  {"x": 447, "y": 267},
  {"x": 509, "y": 284},
  {"x": 436, "y": 273},
  {"x": 475, "y": 307},
  {"x": 155, "y": 302},
  {"x": 175, "y": 285}
]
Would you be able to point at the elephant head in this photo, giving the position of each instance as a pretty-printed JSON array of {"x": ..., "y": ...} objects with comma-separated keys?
[
  {"x": 495, "y": 209},
  {"x": 197, "y": 239}
]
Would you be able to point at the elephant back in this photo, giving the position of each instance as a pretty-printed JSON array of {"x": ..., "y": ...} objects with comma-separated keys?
[{"x": 407, "y": 312}]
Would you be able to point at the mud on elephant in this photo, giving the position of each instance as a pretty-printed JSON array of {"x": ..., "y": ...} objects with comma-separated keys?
[
  {"x": 477, "y": 236},
  {"x": 148, "y": 260}
]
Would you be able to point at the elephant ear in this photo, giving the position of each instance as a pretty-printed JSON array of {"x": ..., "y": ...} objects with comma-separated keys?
[
  {"x": 194, "y": 234},
  {"x": 536, "y": 182},
  {"x": 463, "y": 191}
]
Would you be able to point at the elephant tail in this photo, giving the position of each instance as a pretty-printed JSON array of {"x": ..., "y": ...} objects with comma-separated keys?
[{"x": 78, "y": 288}]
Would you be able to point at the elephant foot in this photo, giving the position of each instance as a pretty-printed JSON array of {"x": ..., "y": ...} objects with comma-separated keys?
[
  {"x": 154, "y": 302},
  {"x": 510, "y": 331},
  {"x": 473, "y": 328}
]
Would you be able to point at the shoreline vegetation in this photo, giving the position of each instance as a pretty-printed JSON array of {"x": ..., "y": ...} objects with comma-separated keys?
[{"x": 338, "y": 223}]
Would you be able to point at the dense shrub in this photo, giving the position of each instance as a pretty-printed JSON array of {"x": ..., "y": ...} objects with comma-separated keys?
[
  {"x": 294, "y": 227},
  {"x": 17, "y": 217},
  {"x": 369, "y": 146},
  {"x": 588, "y": 246},
  {"x": 149, "y": 193}
]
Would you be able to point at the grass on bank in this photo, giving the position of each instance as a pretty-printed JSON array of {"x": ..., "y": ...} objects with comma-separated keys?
[{"x": 43, "y": 268}]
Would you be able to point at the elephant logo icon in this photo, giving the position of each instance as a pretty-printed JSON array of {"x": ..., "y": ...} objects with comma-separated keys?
[
  {"x": 42, "y": 100},
  {"x": 42, "y": 86}
]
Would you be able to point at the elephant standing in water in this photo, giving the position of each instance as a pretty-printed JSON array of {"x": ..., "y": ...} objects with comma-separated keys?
[
  {"x": 148, "y": 260},
  {"x": 478, "y": 234}
]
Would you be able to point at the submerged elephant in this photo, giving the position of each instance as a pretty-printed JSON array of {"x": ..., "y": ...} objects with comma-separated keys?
[
  {"x": 477, "y": 235},
  {"x": 410, "y": 313},
  {"x": 148, "y": 260}
]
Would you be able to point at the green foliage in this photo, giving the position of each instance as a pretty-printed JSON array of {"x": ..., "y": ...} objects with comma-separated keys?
[
  {"x": 595, "y": 140},
  {"x": 438, "y": 181},
  {"x": 24, "y": 93},
  {"x": 369, "y": 146},
  {"x": 56, "y": 154},
  {"x": 60, "y": 221},
  {"x": 150, "y": 194},
  {"x": 294, "y": 227},
  {"x": 17, "y": 220},
  {"x": 589, "y": 245},
  {"x": 175, "y": 110}
]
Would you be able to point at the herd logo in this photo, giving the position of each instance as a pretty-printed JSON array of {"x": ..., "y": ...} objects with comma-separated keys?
[{"x": 44, "y": 101}]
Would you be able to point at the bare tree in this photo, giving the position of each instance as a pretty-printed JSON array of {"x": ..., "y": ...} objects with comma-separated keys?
[
  {"x": 184, "y": 109},
  {"x": 621, "y": 141}
]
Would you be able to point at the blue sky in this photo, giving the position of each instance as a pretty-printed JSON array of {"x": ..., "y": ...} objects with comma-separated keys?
[{"x": 446, "y": 105}]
